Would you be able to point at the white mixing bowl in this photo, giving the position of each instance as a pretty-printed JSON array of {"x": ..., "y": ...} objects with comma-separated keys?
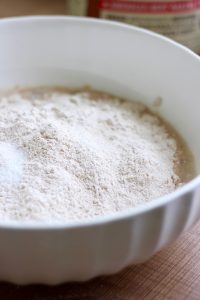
[{"x": 128, "y": 62}]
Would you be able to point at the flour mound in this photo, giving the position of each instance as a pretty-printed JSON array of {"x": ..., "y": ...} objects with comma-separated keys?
[{"x": 86, "y": 154}]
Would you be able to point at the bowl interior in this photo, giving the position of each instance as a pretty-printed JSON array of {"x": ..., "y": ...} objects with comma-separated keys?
[{"x": 116, "y": 58}]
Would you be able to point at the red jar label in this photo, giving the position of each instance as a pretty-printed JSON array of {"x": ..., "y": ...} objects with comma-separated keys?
[{"x": 154, "y": 7}]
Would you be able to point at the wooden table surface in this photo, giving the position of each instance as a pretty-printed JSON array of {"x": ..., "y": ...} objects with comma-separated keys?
[{"x": 174, "y": 273}]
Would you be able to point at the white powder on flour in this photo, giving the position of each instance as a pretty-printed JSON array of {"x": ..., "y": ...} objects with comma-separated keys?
[
  {"x": 11, "y": 164},
  {"x": 67, "y": 156}
]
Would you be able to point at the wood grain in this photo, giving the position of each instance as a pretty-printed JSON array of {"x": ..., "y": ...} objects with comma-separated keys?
[{"x": 172, "y": 274}]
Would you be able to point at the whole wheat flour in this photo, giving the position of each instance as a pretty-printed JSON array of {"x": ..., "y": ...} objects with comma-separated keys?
[{"x": 73, "y": 155}]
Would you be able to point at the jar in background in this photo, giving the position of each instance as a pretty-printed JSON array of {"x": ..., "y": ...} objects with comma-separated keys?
[{"x": 179, "y": 20}]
